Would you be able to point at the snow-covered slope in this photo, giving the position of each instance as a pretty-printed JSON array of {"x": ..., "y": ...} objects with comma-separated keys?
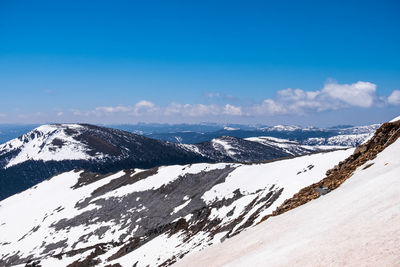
[
  {"x": 58, "y": 142},
  {"x": 228, "y": 148},
  {"x": 343, "y": 137},
  {"x": 55, "y": 148},
  {"x": 51, "y": 149},
  {"x": 344, "y": 140},
  {"x": 366, "y": 129},
  {"x": 290, "y": 147},
  {"x": 258, "y": 149},
  {"x": 148, "y": 217},
  {"x": 157, "y": 216},
  {"x": 293, "y": 133},
  {"x": 395, "y": 119},
  {"x": 49, "y": 142},
  {"x": 357, "y": 224}
]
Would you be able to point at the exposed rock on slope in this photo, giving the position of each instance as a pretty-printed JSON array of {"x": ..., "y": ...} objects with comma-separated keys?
[
  {"x": 386, "y": 135},
  {"x": 157, "y": 216},
  {"x": 357, "y": 224},
  {"x": 147, "y": 217}
]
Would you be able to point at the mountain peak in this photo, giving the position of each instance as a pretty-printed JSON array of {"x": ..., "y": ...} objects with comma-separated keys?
[{"x": 49, "y": 142}]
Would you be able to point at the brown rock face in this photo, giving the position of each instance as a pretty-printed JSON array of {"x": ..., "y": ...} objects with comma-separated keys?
[{"x": 384, "y": 136}]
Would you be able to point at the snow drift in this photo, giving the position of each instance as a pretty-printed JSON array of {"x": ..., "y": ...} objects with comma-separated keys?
[{"x": 356, "y": 224}]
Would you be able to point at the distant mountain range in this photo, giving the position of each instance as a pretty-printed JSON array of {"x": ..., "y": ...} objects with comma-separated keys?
[
  {"x": 51, "y": 149},
  {"x": 303, "y": 135},
  {"x": 197, "y": 133}
]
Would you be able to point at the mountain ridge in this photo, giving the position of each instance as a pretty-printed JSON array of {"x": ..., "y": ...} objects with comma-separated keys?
[
  {"x": 55, "y": 148},
  {"x": 357, "y": 207},
  {"x": 48, "y": 150},
  {"x": 157, "y": 216},
  {"x": 137, "y": 210}
]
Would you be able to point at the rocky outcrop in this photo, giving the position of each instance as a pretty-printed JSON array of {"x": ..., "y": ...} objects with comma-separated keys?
[{"x": 384, "y": 136}]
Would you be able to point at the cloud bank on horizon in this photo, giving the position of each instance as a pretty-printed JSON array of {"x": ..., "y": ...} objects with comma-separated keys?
[
  {"x": 332, "y": 96},
  {"x": 290, "y": 102}
]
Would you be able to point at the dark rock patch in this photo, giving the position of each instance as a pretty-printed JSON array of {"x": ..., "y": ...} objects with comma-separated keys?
[
  {"x": 88, "y": 177},
  {"x": 57, "y": 142}
]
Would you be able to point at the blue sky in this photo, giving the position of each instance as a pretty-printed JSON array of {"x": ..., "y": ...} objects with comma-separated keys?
[{"x": 269, "y": 62}]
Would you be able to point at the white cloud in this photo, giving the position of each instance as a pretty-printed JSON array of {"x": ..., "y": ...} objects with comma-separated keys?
[
  {"x": 119, "y": 108},
  {"x": 218, "y": 96},
  {"x": 232, "y": 110},
  {"x": 212, "y": 95},
  {"x": 144, "y": 107},
  {"x": 173, "y": 109},
  {"x": 268, "y": 107},
  {"x": 198, "y": 110},
  {"x": 191, "y": 110},
  {"x": 60, "y": 113},
  {"x": 394, "y": 98},
  {"x": 76, "y": 112},
  {"x": 144, "y": 104},
  {"x": 331, "y": 96},
  {"x": 359, "y": 94},
  {"x": 296, "y": 94}
]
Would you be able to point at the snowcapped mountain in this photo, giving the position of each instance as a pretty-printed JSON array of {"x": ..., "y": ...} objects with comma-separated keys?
[
  {"x": 197, "y": 133},
  {"x": 51, "y": 149},
  {"x": 147, "y": 217},
  {"x": 227, "y": 128},
  {"x": 264, "y": 148},
  {"x": 344, "y": 140},
  {"x": 358, "y": 224},
  {"x": 293, "y": 133},
  {"x": 291, "y": 147},
  {"x": 157, "y": 216},
  {"x": 232, "y": 149},
  {"x": 59, "y": 142},
  {"x": 50, "y": 142},
  {"x": 366, "y": 129},
  {"x": 288, "y": 128},
  {"x": 329, "y": 137}
]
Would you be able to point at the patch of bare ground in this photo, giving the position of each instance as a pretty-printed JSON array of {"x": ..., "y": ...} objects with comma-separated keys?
[
  {"x": 87, "y": 177},
  {"x": 130, "y": 177},
  {"x": 383, "y": 137}
]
